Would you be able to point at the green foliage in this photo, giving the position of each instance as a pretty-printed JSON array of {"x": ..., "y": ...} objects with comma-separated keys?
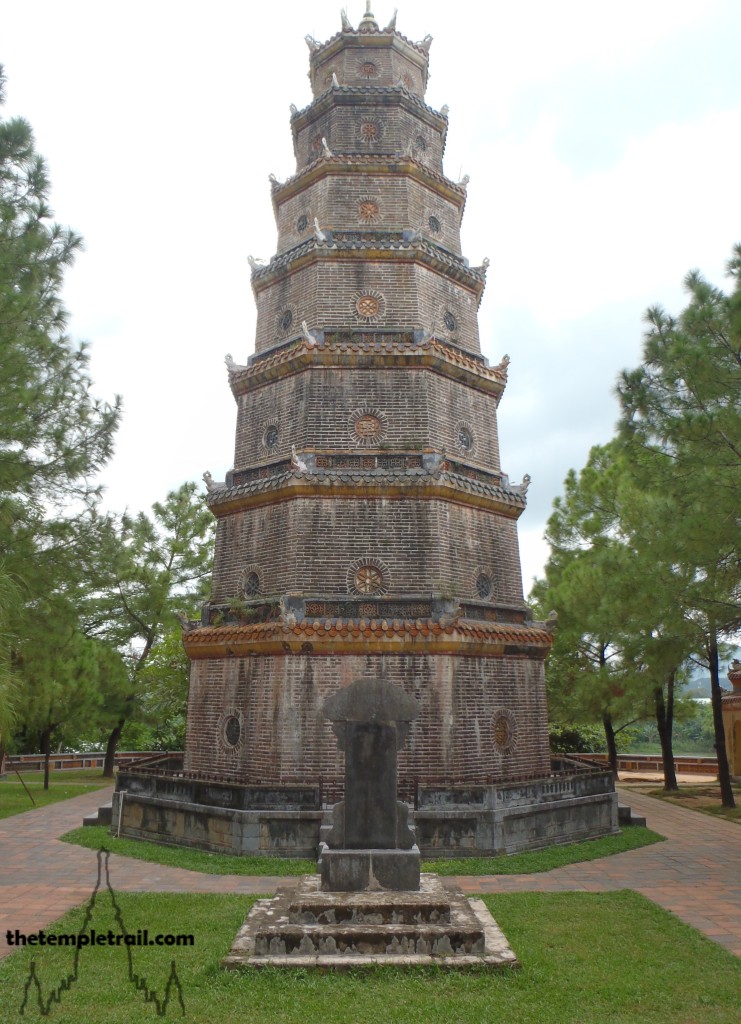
[
  {"x": 576, "y": 739},
  {"x": 644, "y": 568},
  {"x": 54, "y": 435},
  {"x": 160, "y": 567},
  {"x": 54, "y": 438},
  {"x": 681, "y": 427},
  {"x": 693, "y": 734}
]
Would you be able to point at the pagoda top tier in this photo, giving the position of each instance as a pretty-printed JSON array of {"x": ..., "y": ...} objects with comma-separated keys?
[{"x": 369, "y": 55}]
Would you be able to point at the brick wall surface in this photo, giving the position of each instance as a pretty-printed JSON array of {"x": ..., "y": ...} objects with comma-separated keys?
[
  {"x": 325, "y": 294},
  {"x": 339, "y": 202},
  {"x": 308, "y": 546},
  {"x": 350, "y": 66},
  {"x": 285, "y": 738},
  {"x": 372, "y": 124},
  {"x": 316, "y": 409}
]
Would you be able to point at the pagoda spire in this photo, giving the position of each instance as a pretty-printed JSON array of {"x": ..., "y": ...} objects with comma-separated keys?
[{"x": 369, "y": 23}]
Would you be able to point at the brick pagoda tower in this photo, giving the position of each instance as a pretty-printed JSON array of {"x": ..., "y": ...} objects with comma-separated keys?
[{"x": 366, "y": 529}]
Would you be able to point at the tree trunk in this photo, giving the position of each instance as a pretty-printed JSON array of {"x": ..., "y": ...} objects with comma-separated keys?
[
  {"x": 724, "y": 772},
  {"x": 612, "y": 756},
  {"x": 664, "y": 724},
  {"x": 110, "y": 753},
  {"x": 2, "y": 758},
  {"x": 46, "y": 751}
]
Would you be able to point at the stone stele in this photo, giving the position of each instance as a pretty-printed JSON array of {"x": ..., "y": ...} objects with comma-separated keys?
[{"x": 370, "y": 845}]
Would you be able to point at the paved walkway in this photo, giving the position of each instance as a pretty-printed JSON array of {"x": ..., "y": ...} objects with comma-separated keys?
[{"x": 696, "y": 873}]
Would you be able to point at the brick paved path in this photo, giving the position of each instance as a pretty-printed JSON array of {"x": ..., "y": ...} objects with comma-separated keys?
[{"x": 696, "y": 873}]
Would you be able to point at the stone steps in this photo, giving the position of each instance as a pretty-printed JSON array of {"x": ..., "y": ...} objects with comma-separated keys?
[
  {"x": 305, "y": 927},
  {"x": 103, "y": 816},
  {"x": 389, "y": 939},
  {"x": 627, "y": 817}
]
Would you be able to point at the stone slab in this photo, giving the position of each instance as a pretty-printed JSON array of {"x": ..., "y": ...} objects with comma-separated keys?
[
  {"x": 304, "y": 927},
  {"x": 366, "y": 870}
]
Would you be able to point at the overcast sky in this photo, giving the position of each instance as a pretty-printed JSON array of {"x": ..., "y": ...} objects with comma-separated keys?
[{"x": 602, "y": 141}]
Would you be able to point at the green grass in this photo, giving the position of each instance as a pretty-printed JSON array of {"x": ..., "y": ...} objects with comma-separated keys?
[
  {"x": 545, "y": 860},
  {"x": 608, "y": 958},
  {"x": 98, "y": 837},
  {"x": 93, "y": 776},
  {"x": 15, "y": 800}
]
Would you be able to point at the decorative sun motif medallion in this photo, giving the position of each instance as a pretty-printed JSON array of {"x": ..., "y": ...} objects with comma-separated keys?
[
  {"x": 367, "y": 576},
  {"x": 229, "y": 731},
  {"x": 368, "y": 579},
  {"x": 420, "y": 143},
  {"x": 434, "y": 225},
  {"x": 370, "y": 131},
  {"x": 367, "y": 426},
  {"x": 368, "y": 69},
  {"x": 368, "y": 306},
  {"x": 408, "y": 80},
  {"x": 450, "y": 321},
  {"x": 368, "y": 210},
  {"x": 504, "y": 731},
  {"x": 302, "y": 223}
]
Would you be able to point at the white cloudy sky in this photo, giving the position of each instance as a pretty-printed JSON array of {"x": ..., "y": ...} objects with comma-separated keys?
[{"x": 602, "y": 141}]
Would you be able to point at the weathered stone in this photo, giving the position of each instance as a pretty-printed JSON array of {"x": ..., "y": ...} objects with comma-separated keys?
[
  {"x": 370, "y": 845},
  {"x": 436, "y": 925},
  {"x": 371, "y": 720},
  {"x": 346, "y": 870}
]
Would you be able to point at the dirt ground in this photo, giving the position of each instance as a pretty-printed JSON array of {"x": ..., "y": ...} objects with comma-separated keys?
[{"x": 696, "y": 792}]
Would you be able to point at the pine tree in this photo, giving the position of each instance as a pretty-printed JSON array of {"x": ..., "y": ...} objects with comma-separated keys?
[
  {"x": 681, "y": 425},
  {"x": 161, "y": 564},
  {"x": 54, "y": 436}
]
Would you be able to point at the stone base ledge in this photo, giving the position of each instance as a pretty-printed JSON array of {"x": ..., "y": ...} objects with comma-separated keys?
[
  {"x": 369, "y": 870},
  {"x": 306, "y": 928}
]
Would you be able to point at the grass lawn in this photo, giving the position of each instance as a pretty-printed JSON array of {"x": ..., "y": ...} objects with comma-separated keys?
[
  {"x": 702, "y": 798},
  {"x": 14, "y": 799},
  {"x": 611, "y": 958},
  {"x": 98, "y": 837}
]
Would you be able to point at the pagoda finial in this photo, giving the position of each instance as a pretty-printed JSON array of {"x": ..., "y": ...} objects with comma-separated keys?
[{"x": 369, "y": 23}]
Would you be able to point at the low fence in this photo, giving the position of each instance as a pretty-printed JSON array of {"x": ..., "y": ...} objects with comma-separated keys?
[
  {"x": 126, "y": 758},
  {"x": 71, "y": 762},
  {"x": 652, "y": 763}
]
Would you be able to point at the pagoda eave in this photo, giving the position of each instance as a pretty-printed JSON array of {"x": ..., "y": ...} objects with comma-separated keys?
[
  {"x": 227, "y": 501},
  {"x": 422, "y": 253},
  {"x": 435, "y": 356},
  {"x": 391, "y": 165},
  {"x": 411, "y": 50},
  {"x": 346, "y": 638}
]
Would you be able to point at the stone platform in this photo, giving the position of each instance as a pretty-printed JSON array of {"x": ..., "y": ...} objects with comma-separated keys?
[{"x": 304, "y": 927}]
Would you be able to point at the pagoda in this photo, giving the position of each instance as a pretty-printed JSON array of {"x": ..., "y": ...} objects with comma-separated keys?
[{"x": 366, "y": 530}]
